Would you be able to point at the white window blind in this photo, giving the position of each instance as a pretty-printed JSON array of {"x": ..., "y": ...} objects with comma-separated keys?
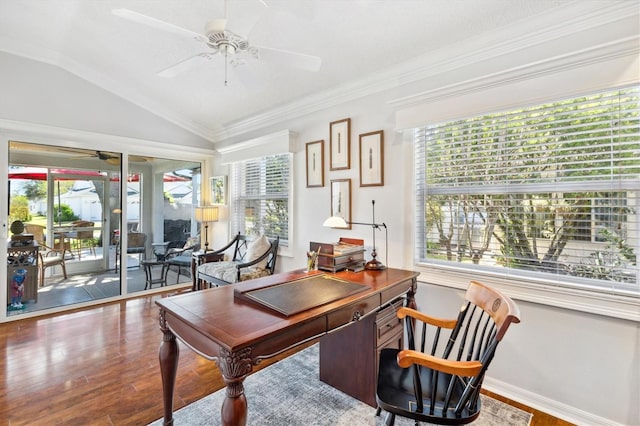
[
  {"x": 547, "y": 191},
  {"x": 260, "y": 196}
]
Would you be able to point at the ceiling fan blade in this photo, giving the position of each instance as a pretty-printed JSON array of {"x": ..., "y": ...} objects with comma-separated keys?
[
  {"x": 156, "y": 23},
  {"x": 137, "y": 159},
  {"x": 114, "y": 161},
  {"x": 297, "y": 60},
  {"x": 185, "y": 65}
]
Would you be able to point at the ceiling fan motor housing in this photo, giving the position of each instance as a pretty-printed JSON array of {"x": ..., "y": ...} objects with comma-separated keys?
[{"x": 225, "y": 41}]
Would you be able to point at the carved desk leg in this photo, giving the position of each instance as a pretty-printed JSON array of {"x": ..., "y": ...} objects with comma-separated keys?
[
  {"x": 168, "y": 356},
  {"x": 235, "y": 366},
  {"x": 411, "y": 295}
]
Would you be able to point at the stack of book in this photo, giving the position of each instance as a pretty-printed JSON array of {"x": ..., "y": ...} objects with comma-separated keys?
[{"x": 348, "y": 253}]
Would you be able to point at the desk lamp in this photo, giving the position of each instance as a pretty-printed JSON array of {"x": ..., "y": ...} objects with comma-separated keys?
[{"x": 339, "y": 222}]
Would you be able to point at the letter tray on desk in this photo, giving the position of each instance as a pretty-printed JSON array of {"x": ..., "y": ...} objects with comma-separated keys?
[{"x": 347, "y": 253}]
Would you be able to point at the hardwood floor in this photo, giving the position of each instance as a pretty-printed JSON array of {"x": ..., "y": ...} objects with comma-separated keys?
[{"x": 99, "y": 366}]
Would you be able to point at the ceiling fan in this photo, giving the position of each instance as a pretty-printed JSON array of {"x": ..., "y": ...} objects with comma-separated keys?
[
  {"x": 111, "y": 158},
  {"x": 221, "y": 41}
]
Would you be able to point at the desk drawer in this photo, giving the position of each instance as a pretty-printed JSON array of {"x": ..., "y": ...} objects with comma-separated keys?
[
  {"x": 353, "y": 312},
  {"x": 388, "y": 325}
]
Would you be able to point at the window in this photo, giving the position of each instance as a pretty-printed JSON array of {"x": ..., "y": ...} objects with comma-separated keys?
[
  {"x": 549, "y": 191},
  {"x": 260, "y": 196}
]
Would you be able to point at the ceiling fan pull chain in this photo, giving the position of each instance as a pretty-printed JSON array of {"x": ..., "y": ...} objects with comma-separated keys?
[{"x": 226, "y": 61}]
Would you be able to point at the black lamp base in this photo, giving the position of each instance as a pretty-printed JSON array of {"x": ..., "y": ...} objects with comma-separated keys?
[{"x": 374, "y": 265}]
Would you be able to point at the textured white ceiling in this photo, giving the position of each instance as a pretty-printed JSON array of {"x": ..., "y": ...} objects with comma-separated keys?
[{"x": 356, "y": 39}]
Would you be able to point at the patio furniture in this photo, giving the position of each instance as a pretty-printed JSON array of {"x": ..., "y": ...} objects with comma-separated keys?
[
  {"x": 48, "y": 258},
  {"x": 181, "y": 256},
  {"x": 82, "y": 236},
  {"x": 136, "y": 244},
  {"x": 148, "y": 265}
]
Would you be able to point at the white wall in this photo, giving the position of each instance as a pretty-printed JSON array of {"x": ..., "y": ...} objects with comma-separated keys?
[
  {"x": 35, "y": 92},
  {"x": 580, "y": 366}
]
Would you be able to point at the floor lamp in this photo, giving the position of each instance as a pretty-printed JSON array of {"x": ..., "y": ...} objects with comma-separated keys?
[
  {"x": 339, "y": 222},
  {"x": 206, "y": 214}
]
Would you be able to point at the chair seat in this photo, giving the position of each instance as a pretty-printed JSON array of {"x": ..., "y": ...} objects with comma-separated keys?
[
  {"x": 395, "y": 393},
  {"x": 228, "y": 271},
  {"x": 180, "y": 261},
  {"x": 51, "y": 260}
]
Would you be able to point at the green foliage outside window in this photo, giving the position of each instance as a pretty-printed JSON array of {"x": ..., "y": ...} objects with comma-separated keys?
[
  {"x": 19, "y": 209},
  {"x": 549, "y": 188}
]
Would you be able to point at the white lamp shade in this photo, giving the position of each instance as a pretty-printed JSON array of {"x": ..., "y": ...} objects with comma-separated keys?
[
  {"x": 206, "y": 214},
  {"x": 335, "y": 222}
]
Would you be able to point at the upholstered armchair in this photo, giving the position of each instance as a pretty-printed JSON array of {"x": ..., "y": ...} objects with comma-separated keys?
[{"x": 251, "y": 259}]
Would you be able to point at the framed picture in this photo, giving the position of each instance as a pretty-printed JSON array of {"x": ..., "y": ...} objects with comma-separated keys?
[
  {"x": 341, "y": 199},
  {"x": 219, "y": 190},
  {"x": 315, "y": 164},
  {"x": 340, "y": 144},
  {"x": 372, "y": 159}
]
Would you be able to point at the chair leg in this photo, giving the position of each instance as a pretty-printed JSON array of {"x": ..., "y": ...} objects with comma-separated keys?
[{"x": 390, "y": 420}]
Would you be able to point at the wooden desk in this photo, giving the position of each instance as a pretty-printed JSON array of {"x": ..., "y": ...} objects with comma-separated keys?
[{"x": 238, "y": 334}]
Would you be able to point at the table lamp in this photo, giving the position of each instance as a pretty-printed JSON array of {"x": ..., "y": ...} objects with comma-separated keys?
[
  {"x": 206, "y": 214},
  {"x": 339, "y": 222}
]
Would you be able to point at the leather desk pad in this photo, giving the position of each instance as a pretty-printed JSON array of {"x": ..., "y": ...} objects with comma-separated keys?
[{"x": 300, "y": 295}]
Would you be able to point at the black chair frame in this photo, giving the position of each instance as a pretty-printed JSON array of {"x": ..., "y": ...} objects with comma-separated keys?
[
  {"x": 444, "y": 389},
  {"x": 241, "y": 243}
]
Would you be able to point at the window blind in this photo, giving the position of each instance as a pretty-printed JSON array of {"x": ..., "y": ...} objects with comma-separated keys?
[
  {"x": 260, "y": 196},
  {"x": 549, "y": 189}
]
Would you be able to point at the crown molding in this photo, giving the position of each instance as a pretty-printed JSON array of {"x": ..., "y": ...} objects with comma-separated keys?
[
  {"x": 274, "y": 143},
  {"x": 498, "y": 43},
  {"x": 570, "y": 18},
  {"x": 42, "y": 133},
  {"x": 595, "y": 54}
]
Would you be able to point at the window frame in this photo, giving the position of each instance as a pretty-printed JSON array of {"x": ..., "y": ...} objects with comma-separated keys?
[
  {"x": 285, "y": 244},
  {"x": 533, "y": 287}
]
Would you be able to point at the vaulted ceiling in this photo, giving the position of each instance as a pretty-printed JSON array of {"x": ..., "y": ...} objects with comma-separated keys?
[{"x": 361, "y": 44}]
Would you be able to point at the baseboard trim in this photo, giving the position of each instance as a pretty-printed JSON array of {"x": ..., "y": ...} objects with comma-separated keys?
[{"x": 547, "y": 405}]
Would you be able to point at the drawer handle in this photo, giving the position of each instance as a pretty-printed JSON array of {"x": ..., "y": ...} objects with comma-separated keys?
[{"x": 356, "y": 316}]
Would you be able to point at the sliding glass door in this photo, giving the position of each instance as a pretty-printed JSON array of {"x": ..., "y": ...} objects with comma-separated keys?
[{"x": 70, "y": 210}]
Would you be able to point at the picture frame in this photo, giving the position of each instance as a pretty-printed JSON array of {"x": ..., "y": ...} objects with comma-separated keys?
[
  {"x": 341, "y": 200},
  {"x": 315, "y": 164},
  {"x": 372, "y": 158},
  {"x": 219, "y": 190},
  {"x": 340, "y": 144}
]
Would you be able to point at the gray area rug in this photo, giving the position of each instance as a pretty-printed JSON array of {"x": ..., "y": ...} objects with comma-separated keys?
[{"x": 289, "y": 392}]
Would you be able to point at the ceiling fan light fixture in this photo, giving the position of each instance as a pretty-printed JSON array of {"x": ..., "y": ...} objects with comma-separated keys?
[{"x": 227, "y": 49}]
